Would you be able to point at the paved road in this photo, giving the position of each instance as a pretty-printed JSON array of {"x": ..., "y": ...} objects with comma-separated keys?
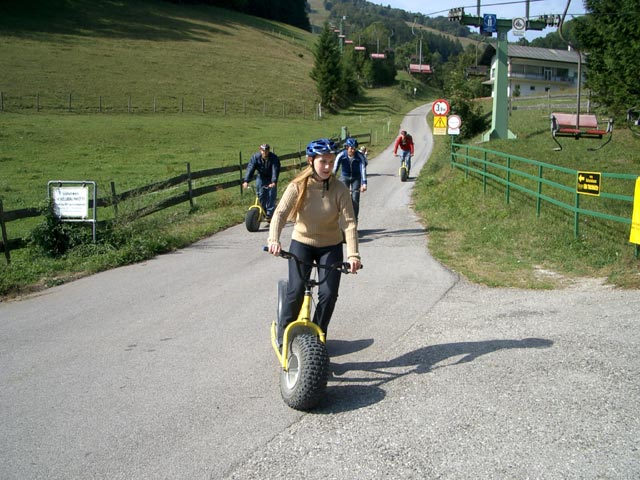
[{"x": 164, "y": 369}]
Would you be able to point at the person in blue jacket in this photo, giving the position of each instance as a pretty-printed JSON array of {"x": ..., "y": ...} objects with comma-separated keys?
[
  {"x": 267, "y": 166},
  {"x": 353, "y": 171}
]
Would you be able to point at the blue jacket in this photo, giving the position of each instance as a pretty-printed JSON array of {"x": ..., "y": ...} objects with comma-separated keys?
[
  {"x": 268, "y": 170},
  {"x": 355, "y": 167}
]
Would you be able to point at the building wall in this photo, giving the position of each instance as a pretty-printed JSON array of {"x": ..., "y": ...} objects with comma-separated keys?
[{"x": 536, "y": 77}]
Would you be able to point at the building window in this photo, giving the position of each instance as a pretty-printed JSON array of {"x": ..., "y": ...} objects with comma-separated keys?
[{"x": 532, "y": 88}]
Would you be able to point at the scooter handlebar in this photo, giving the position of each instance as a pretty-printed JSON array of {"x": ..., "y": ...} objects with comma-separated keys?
[{"x": 344, "y": 267}]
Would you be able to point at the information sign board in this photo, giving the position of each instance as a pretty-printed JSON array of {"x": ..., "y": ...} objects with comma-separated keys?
[{"x": 588, "y": 183}]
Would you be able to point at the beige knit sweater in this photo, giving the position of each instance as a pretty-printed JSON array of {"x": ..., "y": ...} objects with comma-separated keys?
[{"x": 318, "y": 222}]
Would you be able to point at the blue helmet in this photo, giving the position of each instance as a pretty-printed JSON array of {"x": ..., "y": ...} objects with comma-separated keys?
[
  {"x": 323, "y": 145},
  {"x": 351, "y": 142}
]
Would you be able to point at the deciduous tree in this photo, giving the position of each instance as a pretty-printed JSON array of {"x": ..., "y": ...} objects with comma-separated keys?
[{"x": 610, "y": 37}]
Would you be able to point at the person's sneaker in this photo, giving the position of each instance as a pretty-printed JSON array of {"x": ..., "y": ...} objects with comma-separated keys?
[{"x": 267, "y": 219}]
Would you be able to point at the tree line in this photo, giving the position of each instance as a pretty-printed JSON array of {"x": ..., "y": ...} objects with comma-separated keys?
[{"x": 291, "y": 12}]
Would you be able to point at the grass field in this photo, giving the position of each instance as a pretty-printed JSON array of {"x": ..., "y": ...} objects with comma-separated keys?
[{"x": 141, "y": 147}]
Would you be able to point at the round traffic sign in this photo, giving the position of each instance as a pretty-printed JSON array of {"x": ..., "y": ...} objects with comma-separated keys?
[
  {"x": 519, "y": 23},
  {"x": 440, "y": 108},
  {"x": 454, "y": 122}
]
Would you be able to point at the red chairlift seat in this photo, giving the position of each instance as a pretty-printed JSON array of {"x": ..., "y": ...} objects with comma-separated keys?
[
  {"x": 378, "y": 56},
  {"x": 418, "y": 68},
  {"x": 568, "y": 125}
]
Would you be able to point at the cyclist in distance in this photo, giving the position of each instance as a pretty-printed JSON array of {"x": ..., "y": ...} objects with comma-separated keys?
[
  {"x": 353, "y": 171},
  {"x": 267, "y": 165},
  {"x": 315, "y": 200},
  {"x": 405, "y": 143}
]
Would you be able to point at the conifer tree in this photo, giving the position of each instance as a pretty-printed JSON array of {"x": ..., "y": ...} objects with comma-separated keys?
[{"x": 327, "y": 70}]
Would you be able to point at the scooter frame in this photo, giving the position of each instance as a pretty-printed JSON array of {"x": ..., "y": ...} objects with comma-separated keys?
[{"x": 315, "y": 342}]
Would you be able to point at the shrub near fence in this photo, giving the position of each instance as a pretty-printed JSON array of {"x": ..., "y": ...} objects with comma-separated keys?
[
  {"x": 94, "y": 103},
  {"x": 221, "y": 178}
]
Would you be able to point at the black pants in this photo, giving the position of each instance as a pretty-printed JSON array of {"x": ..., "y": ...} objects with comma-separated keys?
[{"x": 327, "y": 291}]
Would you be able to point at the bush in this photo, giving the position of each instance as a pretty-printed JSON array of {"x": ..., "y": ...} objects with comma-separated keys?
[{"x": 54, "y": 237}]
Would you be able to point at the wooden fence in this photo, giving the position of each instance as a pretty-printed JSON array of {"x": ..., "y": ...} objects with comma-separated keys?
[{"x": 290, "y": 161}]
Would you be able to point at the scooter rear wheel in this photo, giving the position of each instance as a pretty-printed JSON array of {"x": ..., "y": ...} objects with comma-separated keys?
[
  {"x": 252, "y": 219},
  {"x": 305, "y": 380}
]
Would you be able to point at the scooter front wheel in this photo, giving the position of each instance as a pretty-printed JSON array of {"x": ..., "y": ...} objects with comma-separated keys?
[
  {"x": 404, "y": 173},
  {"x": 305, "y": 380},
  {"x": 252, "y": 219}
]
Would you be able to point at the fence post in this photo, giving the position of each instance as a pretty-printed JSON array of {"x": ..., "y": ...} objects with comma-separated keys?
[
  {"x": 576, "y": 217},
  {"x": 154, "y": 104},
  {"x": 69, "y": 102},
  {"x": 539, "y": 200},
  {"x": 1, "y": 101},
  {"x": 181, "y": 104},
  {"x": 5, "y": 240},
  {"x": 202, "y": 104},
  {"x": 37, "y": 102},
  {"x": 224, "y": 107},
  {"x": 190, "y": 185},
  {"x": 114, "y": 199},
  {"x": 100, "y": 104},
  {"x": 240, "y": 170},
  {"x": 129, "y": 104}
]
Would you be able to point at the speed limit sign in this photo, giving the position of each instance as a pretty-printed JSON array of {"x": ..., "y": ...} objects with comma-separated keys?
[{"x": 440, "y": 108}]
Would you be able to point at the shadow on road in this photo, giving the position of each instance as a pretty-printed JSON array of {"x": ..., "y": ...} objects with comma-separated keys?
[
  {"x": 352, "y": 391},
  {"x": 371, "y": 234},
  {"x": 344, "y": 347}
]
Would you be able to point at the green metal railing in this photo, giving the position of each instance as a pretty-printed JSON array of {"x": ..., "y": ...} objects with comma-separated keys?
[{"x": 548, "y": 183}]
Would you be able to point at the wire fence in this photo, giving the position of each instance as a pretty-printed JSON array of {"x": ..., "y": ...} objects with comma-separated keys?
[{"x": 95, "y": 103}]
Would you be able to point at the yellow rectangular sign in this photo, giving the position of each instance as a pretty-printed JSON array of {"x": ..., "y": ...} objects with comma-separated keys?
[
  {"x": 634, "y": 237},
  {"x": 439, "y": 125}
]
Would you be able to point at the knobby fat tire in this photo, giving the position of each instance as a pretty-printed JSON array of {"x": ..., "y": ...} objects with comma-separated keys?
[{"x": 313, "y": 363}]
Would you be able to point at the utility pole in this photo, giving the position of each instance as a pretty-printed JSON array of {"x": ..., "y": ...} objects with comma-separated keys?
[{"x": 341, "y": 35}]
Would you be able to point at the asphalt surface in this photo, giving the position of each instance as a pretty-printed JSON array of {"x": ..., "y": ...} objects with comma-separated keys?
[{"x": 164, "y": 369}]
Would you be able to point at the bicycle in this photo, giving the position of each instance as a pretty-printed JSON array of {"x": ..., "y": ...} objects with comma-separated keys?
[
  {"x": 304, "y": 358},
  {"x": 255, "y": 214}
]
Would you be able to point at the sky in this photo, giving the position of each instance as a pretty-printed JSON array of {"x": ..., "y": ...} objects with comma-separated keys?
[{"x": 504, "y": 9}]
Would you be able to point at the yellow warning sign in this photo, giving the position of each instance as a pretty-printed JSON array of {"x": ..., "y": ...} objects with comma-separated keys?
[
  {"x": 635, "y": 217},
  {"x": 439, "y": 125}
]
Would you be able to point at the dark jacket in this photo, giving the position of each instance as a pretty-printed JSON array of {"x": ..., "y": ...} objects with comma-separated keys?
[
  {"x": 268, "y": 170},
  {"x": 355, "y": 167}
]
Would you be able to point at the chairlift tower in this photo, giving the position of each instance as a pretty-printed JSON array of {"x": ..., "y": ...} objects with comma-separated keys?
[{"x": 490, "y": 24}]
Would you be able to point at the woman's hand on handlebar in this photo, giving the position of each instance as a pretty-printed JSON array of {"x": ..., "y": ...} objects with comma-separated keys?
[
  {"x": 354, "y": 265},
  {"x": 274, "y": 249}
]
